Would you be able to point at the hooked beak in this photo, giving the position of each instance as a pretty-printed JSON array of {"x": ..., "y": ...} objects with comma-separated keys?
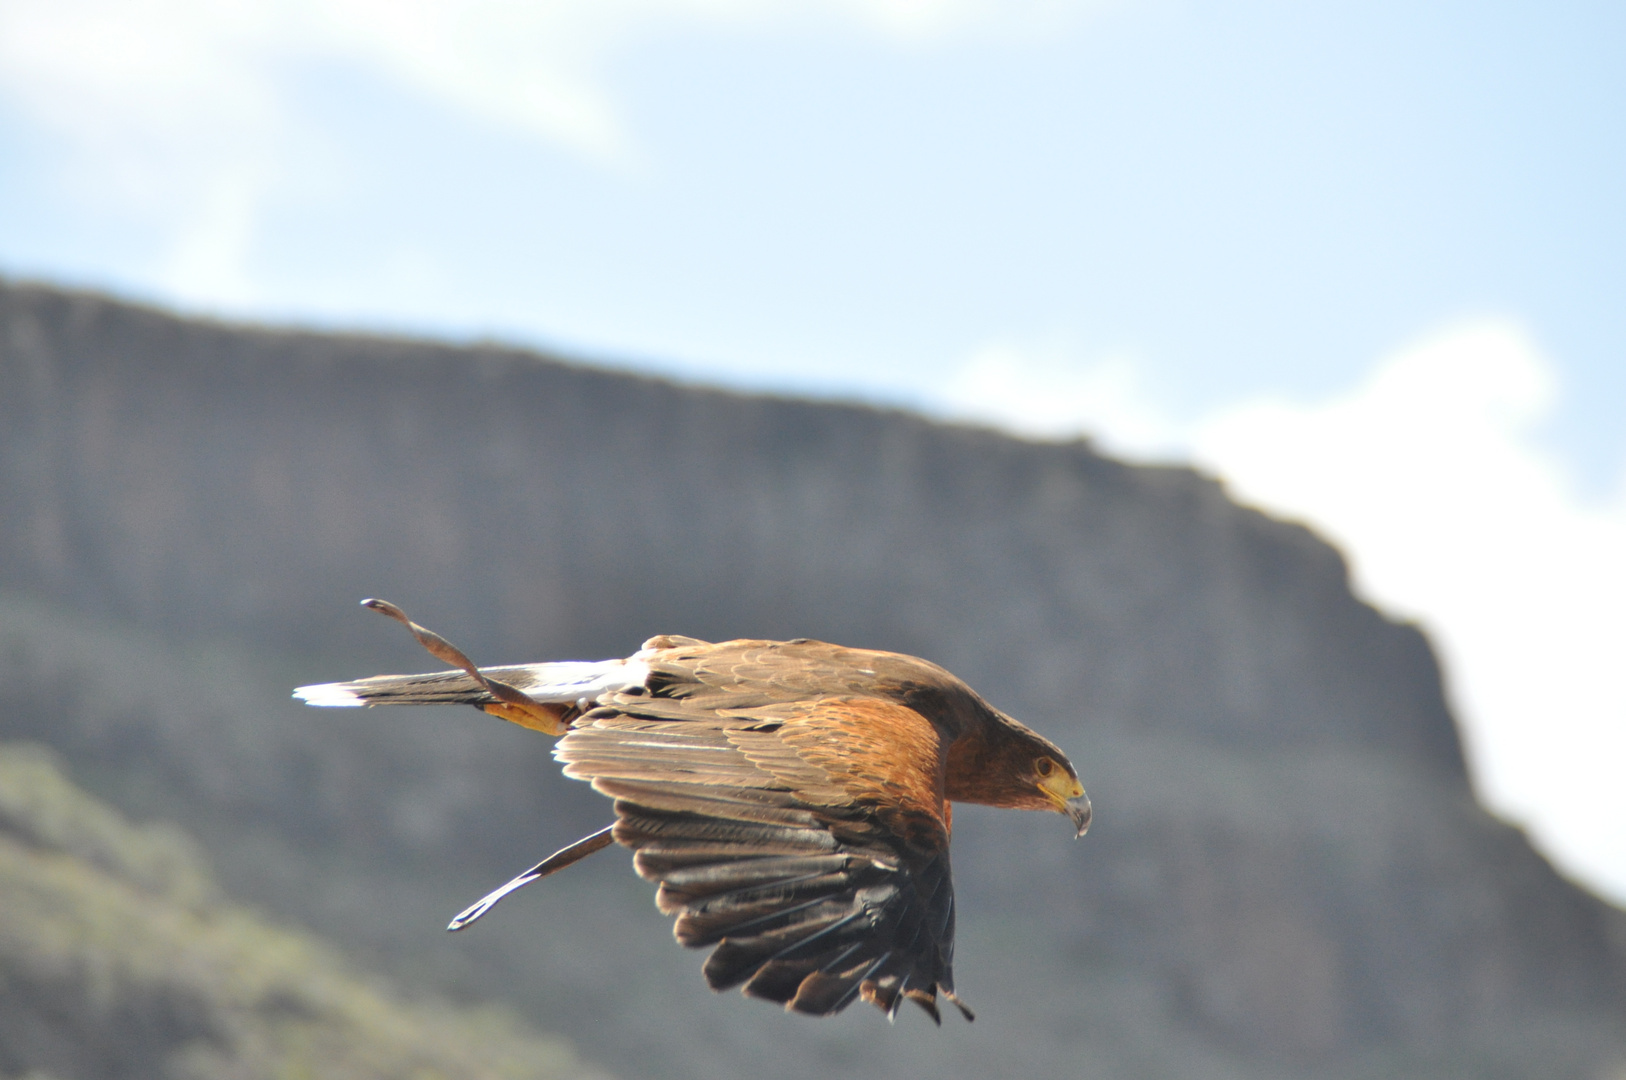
[
  {"x": 1068, "y": 795},
  {"x": 1079, "y": 810}
]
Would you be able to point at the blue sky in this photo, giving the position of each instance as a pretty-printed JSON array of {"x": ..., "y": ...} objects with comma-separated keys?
[{"x": 1252, "y": 235}]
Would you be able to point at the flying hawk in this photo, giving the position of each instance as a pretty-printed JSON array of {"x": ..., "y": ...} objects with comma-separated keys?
[{"x": 791, "y": 799}]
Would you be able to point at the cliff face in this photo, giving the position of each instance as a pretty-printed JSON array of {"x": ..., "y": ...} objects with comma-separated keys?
[
  {"x": 206, "y": 480},
  {"x": 1288, "y": 870}
]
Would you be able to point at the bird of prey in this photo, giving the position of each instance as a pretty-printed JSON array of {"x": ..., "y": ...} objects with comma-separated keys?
[{"x": 791, "y": 799}]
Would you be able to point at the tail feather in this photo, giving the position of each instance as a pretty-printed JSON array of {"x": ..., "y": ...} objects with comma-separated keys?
[{"x": 559, "y": 682}]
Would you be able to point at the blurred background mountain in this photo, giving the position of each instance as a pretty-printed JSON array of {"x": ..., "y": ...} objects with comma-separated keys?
[
  {"x": 120, "y": 958},
  {"x": 1289, "y": 874}
]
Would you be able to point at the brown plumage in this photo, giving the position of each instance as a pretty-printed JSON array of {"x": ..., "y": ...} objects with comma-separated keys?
[{"x": 791, "y": 799}]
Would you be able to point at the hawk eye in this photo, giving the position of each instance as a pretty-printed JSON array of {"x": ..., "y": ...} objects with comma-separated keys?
[{"x": 1044, "y": 766}]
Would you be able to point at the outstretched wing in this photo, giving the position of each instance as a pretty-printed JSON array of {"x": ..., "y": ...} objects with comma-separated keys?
[{"x": 806, "y": 842}]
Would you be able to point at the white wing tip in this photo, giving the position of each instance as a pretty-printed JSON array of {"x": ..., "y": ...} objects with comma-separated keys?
[{"x": 329, "y": 696}]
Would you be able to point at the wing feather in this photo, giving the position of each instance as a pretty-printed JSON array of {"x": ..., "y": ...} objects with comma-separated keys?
[{"x": 803, "y": 841}]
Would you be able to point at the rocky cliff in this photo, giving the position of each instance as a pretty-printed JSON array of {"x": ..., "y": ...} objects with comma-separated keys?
[{"x": 1288, "y": 875}]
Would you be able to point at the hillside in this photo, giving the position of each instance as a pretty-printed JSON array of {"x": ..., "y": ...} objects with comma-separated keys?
[
  {"x": 121, "y": 958},
  {"x": 1288, "y": 875}
]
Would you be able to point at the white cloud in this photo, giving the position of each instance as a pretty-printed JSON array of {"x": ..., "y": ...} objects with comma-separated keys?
[
  {"x": 536, "y": 66},
  {"x": 1046, "y": 392},
  {"x": 179, "y": 113},
  {"x": 161, "y": 114},
  {"x": 1429, "y": 475},
  {"x": 208, "y": 262},
  {"x": 134, "y": 88}
]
